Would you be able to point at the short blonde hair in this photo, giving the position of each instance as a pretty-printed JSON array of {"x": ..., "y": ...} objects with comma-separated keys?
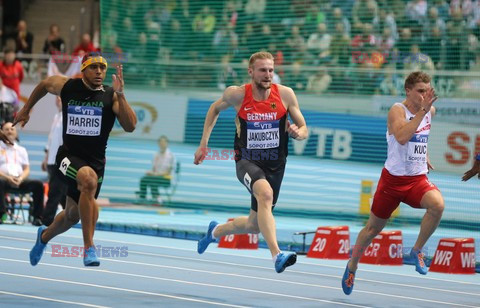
[{"x": 259, "y": 55}]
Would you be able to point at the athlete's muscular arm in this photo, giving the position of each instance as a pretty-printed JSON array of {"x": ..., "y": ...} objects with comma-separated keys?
[
  {"x": 298, "y": 130},
  {"x": 52, "y": 84},
  {"x": 402, "y": 129},
  {"x": 125, "y": 114},
  {"x": 232, "y": 96}
]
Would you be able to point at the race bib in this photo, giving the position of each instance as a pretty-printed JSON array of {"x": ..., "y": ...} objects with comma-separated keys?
[
  {"x": 417, "y": 148},
  {"x": 263, "y": 135},
  {"x": 84, "y": 120}
]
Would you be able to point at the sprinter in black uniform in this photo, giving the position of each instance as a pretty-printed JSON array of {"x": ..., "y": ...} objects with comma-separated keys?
[
  {"x": 89, "y": 111},
  {"x": 260, "y": 144}
]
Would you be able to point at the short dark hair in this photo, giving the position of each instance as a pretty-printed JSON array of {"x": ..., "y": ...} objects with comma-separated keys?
[
  {"x": 163, "y": 137},
  {"x": 8, "y": 50},
  {"x": 416, "y": 77}
]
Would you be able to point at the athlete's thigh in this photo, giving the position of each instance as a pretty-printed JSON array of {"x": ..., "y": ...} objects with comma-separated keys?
[{"x": 275, "y": 178}]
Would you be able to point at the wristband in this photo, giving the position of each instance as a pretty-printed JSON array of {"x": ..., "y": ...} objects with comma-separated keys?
[
  {"x": 119, "y": 92},
  {"x": 477, "y": 156}
]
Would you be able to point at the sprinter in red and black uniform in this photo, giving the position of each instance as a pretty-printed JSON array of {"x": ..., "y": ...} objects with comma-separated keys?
[
  {"x": 89, "y": 111},
  {"x": 261, "y": 142}
]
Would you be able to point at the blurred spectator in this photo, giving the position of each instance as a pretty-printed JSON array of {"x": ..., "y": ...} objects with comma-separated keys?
[
  {"x": 85, "y": 46},
  {"x": 14, "y": 172},
  {"x": 315, "y": 15},
  {"x": 318, "y": 46},
  {"x": 23, "y": 38},
  {"x": 182, "y": 13},
  {"x": 161, "y": 173},
  {"x": 54, "y": 43},
  {"x": 346, "y": 6},
  {"x": 204, "y": 21},
  {"x": 337, "y": 17},
  {"x": 203, "y": 26},
  {"x": 474, "y": 22},
  {"x": 434, "y": 47},
  {"x": 296, "y": 78},
  {"x": 473, "y": 48},
  {"x": 418, "y": 61},
  {"x": 227, "y": 76},
  {"x": 176, "y": 41},
  {"x": 466, "y": 7},
  {"x": 433, "y": 21},
  {"x": 230, "y": 14},
  {"x": 254, "y": 9},
  {"x": 8, "y": 103},
  {"x": 128, "y": 37},
  {"x": 386, "y": 42},
  {"x": 340, "y": 47},
  {"x": 443, "y": 9},
  {"x": 388, "y": 86},
  {"x": 386, "y": 20},
  {"x": 57, "y": 189},
  {"x": 364, "y": 11},
  {"x": 295, "y": 45},
  {"x": 223, "y": 38},
  {"x": 403, "y": 46},
  {"x": 367, "y": 79},
  {"x": 366, "y": 41},
  {"x": 11, "y": 71},
  {"x": 416, "y": 11},
  {"x": 263, "y": 39},
  {"x": 456, "y": 42},
  {"x": 319, "y": 82},
  {"x": 154, "y": 42}
]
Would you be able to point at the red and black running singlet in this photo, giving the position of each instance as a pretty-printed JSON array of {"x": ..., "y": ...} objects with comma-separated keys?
[{"x": 263, "y": 137}]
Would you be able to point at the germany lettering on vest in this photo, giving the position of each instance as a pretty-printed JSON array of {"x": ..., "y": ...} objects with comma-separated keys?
[
  {"x": 81, "y": 103},
  {"x": 269, "y": 116}
]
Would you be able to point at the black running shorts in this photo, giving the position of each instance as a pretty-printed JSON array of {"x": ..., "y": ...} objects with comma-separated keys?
[
  {"x": 248, "y": 173},
  {"x": 68, "y": 166}
]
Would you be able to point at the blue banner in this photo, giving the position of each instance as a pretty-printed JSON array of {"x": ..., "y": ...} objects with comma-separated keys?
[{"x": 331, "y": 135}]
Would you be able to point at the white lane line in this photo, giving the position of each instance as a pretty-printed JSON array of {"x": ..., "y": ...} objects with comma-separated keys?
[
  {"x": 177, "y": 281},
  {"x": 51, "y": 299},
  {"x": 120, "y": 289},
  {"x": 414, "y": 277},
  {"x": 245, "y": 277}
]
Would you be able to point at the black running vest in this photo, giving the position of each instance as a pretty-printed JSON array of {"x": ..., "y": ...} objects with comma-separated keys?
[{"x": 88, "y": 119}]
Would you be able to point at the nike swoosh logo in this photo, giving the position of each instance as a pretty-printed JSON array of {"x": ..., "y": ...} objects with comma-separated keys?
[{"x": 247, "y": 109}]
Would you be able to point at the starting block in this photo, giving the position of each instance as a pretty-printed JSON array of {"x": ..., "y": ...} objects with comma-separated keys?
[
  {"x": 330, "y": 243},
  {"x": 385, "y": 249},
  {"x": 239, "y": 241},
  {"x": 454, "y": 256}
]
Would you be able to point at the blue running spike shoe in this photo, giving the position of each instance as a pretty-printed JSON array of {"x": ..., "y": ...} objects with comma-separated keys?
[
  {"x": 39, "y": 247},
  {"x": 207, "y": 239},
  {"x": 284, "y": 260},
  {"x": 420, "y": 265},
  {"x": 347, "y": 281},
  {"x": 90, "y": 257}
]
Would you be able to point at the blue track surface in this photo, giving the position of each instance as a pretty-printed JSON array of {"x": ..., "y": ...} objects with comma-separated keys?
[{"x": 169, "y": 273}]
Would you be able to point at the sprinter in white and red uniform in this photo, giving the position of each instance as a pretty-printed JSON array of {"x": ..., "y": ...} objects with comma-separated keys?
[
  {"x": 404, "y": 177},
  {"x": 261, "y": 141}
]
